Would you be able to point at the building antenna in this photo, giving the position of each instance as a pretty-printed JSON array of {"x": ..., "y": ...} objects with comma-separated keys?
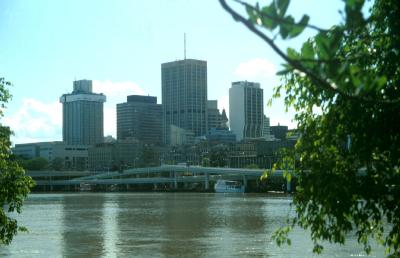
[{"x": 184, "y": 46}]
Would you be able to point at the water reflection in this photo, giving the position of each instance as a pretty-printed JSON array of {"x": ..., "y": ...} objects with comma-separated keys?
[
  {"x": 138, "y": 222},
  {"x": 110, "y": 225},
  {"x": 237, "y": 219},
  {"x": 82, "y": 222},
  {"x": 185, "y": 225}
]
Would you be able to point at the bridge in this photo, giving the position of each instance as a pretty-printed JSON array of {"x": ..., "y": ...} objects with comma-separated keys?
[{"x": 163, "y": 175}]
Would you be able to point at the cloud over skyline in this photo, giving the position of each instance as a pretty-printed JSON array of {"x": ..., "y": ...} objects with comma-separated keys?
[
  {"x": 256, "y": 68},
  {"x": 117, "y": 89},
  {"x": 36, "y": 121}
]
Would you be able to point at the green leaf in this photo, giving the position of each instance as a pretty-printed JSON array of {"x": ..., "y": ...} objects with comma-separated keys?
[
  {"x": 322, "y": 44},
  {"x": 265, "y": 175},
  {"x": 289, "y": 177},
  {"x": 282, "y": 6},
  {"x": 299, "y": 27},
  {"x": 252, "y": 14},
  {"x": 292, "y": 54},
  {"x": 380, "y": 82},
  {"x": 267, "y": 17},
  {"x": 307, "y": 50},
  {"x": 286, "y": 27}
]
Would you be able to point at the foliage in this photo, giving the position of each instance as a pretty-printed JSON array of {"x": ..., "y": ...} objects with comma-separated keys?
[
  {"x": 205, "y": 161},
  {"x": 148, "y": 157},
  {"x": 38, "y": 163},
  {"x": 344, "y": 84},
  {"x": 14, "y": 185},
  {"x": 57, "y": 164},
  {"x": 218, "y": 156},
  {"x": 252, "y": 166}
]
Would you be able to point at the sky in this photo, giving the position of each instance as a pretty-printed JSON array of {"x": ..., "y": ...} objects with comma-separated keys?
[{"x": 45, "y": 45}]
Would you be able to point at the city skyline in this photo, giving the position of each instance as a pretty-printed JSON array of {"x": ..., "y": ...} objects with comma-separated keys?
[{"x": 120, "y": 47}]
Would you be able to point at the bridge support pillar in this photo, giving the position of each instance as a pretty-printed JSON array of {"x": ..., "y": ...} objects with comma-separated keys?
[
  {"x": 175, "y": 181},
  {"x": 206, "y": 181},
  {"x": 288, "y": 186},
  {"x": 245, "y": 181}
]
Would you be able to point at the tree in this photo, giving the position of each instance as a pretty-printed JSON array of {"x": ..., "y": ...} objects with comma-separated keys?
[
  {"x": 205, "y": 161},
  {"x": 252, "y": 166},
  {"x": 218, "y": 156},
  {"x": 57, "y": 164},
  {"x": 38, "y": 163},
  {"x": 344, "y": 84},
  {"x": 148, "y": 156},
  {"x": 14, "y": 184}
]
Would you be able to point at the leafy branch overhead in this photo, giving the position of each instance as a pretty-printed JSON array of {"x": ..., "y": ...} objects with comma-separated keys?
[
  {"x": 319, "y": 57},
  {"x": 344, "y": 84}
]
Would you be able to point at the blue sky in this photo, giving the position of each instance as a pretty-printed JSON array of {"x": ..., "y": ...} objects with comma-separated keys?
[{"x": 120, "y": 45}]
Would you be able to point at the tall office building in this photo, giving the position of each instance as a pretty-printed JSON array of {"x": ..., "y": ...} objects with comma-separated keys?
[
  {"x": 184, "y": 97},
  {"x": 140, "y": 118},
  {"x": 83, "y": 115},
  {"x": 246, "y": 110}
]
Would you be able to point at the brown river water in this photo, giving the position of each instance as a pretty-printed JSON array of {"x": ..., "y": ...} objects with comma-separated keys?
[{"x": 162, "y": 225}]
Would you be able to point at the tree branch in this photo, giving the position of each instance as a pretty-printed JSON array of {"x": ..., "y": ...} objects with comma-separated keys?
[
  {"x": 296, "y": 64},
  {"x": 278, "y": 19}
]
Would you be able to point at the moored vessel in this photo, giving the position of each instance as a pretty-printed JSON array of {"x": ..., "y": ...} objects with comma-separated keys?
[{"x": 227, "y": 186}]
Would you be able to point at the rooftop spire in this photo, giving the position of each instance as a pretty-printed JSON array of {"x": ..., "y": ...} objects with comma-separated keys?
[{"x": 184, "y": 46}]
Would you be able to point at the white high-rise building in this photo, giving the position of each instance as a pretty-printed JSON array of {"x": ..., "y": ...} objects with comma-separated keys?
[
  {"x": 83, "y": 115},
  {"x": 246, "y": 110}
]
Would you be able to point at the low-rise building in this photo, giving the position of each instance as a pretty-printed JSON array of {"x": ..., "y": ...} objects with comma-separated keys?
[
  {"x": 114, "y": 156},
  {"x": 74, "y": 157},
  {"x": 218, "y": 135}
]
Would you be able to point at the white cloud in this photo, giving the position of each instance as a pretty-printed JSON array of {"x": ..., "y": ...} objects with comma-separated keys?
[
  {"x": 35, "y": 121},
  {"x": 117, "y": 89},
  {"x": 110, "y": 121},
  {"x": 256, "y": 68},
  {"x": 223, "y": 103}
]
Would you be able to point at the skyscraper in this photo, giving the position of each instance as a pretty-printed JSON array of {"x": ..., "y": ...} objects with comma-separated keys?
[
  {"x": 140, "y": 118},
  {"x": 246, "y": 109},
  {"x": 184, "y": 97},
  {"x": 83, "y": 115}
]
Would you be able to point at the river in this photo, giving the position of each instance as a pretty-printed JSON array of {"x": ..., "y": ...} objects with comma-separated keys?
[{"x": 161, "y": 225}]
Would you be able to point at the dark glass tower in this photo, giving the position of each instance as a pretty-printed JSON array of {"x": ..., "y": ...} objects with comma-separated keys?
[
  {"x": 184, "y": 97},
  {"x": 140, "y": 118}
]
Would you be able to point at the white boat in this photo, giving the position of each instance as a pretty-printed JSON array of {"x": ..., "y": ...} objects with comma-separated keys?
[
  {"x": 226, "y": 186},
  {"x": 85, "y": 187}
]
